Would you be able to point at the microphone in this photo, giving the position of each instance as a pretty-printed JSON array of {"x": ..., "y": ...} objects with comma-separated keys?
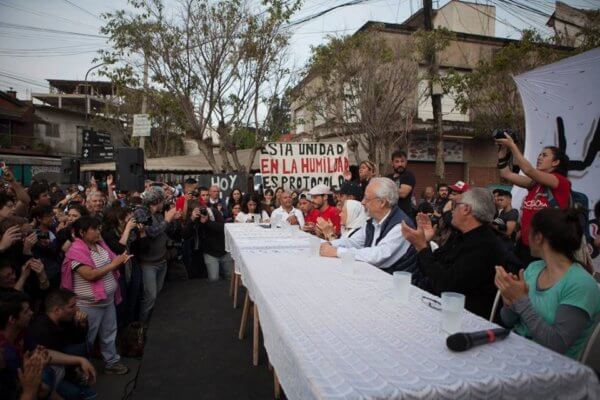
[{"x": 465, "y": 340}]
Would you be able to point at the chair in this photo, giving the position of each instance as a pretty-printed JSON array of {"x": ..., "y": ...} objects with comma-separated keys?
[
  {"x": 495, "y": 306},
  {"x": 590, "y": 355}
]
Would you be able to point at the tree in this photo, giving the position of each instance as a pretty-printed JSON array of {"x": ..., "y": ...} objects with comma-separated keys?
[
  {"x": 166, "y": 138},
  {"x": 490, "y": 94},
  {"x": 218, "y": 60},
  {"x": 365, "y": 91}
]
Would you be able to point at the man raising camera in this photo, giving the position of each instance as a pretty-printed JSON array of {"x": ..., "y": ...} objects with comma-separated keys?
[{"x": 153, "y": 247}]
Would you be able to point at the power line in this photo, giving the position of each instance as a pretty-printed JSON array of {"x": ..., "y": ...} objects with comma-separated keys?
[
  {"x": 48, "y": 30},
  {"x": 43, "y": 14},
  {"x": 83, "y": 9}
]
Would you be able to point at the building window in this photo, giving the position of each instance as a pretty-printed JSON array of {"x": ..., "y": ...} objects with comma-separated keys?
[{"x": 52, "y": 130}]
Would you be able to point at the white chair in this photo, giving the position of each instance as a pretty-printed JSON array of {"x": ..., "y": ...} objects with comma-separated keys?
[
  {"x": 590, "y": 355},
  {"x": 495, "y": 306}
]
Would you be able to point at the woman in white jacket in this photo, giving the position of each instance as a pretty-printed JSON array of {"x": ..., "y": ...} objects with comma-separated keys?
[{"x": 251, "y": 210}]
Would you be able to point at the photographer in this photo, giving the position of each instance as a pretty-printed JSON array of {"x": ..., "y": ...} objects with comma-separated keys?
[
  {"x": 120, "y": 231},
  {"x": 547, "y": 183},
  {"x": 153, "y": 247},
  {"x": 205, "y": 228}
]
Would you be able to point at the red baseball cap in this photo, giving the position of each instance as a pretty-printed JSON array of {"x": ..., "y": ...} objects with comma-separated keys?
[{"x": 460, "y": 187}]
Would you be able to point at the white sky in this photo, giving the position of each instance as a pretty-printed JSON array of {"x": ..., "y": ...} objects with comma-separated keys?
[{"x": 34, "y": 56}]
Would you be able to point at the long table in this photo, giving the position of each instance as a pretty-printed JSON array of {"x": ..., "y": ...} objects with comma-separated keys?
[{"x": 336, "y": 333}]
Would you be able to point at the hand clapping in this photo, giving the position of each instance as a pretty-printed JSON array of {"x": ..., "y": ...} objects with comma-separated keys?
[{"x": 511, "y": 287}]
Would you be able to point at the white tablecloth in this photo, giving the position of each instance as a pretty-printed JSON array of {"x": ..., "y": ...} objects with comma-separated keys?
[
  {"x": 250, "y": 237},
  {"x": 334, "y": 334}
]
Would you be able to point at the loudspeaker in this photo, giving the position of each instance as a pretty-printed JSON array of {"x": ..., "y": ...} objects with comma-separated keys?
[
  {"x": 129, "y": 163},
  {"x": 69, "y": 171}
]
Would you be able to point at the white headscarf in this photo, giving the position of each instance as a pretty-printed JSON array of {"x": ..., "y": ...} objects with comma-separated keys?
[{"x": 355, "y": 217}]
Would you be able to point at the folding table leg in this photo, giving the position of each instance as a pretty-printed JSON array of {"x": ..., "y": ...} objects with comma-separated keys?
[
  {"x": 245, "y": 313},
  {"x": 255, "y": 337},
  {"x": 277, "y": 386},
  {"x": 236, "y": 284},
  {"x": 232, "y": 281}
]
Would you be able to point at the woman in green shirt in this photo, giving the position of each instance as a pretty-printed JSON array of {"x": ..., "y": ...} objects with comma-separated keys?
[{"x": 555, "y": 301}]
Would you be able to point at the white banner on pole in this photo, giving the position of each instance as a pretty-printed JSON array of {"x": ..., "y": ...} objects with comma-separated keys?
[
  {"x": 562, "y": 108},
  {"x": 141, "y": 125},
  {"x": 302, "y": 165}
]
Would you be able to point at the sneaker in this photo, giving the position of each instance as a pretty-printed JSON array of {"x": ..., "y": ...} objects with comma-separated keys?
[
  {"x": 88, "y": 394},
  {"x": 116, "y": 369}
]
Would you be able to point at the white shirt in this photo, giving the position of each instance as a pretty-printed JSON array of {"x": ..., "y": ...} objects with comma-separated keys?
[
  {"x": 280, "y": 214},
  {"x": 243, "y": 217},
  {"x": 382, "y": 255}
]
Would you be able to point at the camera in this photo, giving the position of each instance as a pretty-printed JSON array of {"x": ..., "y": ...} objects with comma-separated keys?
[
  {"x": 42, "y": 235},
  {"x": 142, "y": 215},
  {"x": 203, "y": 211},
  {"x": 434, "y": 219},
  {"x": 498, "y": 133}
]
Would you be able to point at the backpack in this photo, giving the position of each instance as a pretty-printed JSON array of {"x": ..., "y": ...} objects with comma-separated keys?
[{"x": 133, "y": 340}]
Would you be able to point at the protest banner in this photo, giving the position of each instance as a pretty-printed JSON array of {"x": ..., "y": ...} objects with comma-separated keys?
[
  {"x": 225, "y": 182},
  {"x": 297, "y": 166}
]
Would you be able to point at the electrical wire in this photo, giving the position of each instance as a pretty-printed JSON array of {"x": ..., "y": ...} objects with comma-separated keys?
[
  {"x": 43, "y": 14},
  {"x": 48, "y": 30},
  {"x": 83, "y": 9}
]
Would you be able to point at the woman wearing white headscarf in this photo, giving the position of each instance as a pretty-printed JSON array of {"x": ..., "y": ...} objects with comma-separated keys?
[{"x": 353, "y": 217}]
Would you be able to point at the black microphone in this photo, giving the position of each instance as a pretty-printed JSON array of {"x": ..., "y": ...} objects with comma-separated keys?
[{"x": 465, "y": 340}]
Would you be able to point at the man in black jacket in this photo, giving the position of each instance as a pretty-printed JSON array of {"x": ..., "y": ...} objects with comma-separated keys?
[
  {"x": 209, "y": 229},
  {"x": 466, "y": 263}
]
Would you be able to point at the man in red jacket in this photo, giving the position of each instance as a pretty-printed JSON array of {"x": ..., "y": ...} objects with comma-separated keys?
[{"x": 319, "y": 196}]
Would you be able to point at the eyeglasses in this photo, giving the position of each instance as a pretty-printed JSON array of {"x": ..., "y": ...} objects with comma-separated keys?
[{"x": 433, "y": 303}]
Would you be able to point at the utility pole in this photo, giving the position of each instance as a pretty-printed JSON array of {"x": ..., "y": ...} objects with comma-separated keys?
[
  {"x": 435, "y": 91},
  {"x": 144, "y": 98}
]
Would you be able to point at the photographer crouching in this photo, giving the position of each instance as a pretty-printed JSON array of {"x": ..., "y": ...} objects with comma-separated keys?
[{"x": 159, "y": 225}]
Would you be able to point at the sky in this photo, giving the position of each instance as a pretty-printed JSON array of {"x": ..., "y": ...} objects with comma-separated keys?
[{"x": 29, "y": 56}]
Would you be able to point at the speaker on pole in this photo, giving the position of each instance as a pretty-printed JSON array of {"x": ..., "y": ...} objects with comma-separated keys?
[
  {"x": 129, "y": 165},
  {"x": 69, "y": 171}
]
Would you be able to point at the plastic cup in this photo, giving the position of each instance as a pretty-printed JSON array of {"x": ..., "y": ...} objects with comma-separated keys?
[
  {"x": 402, "y": 281},
  {"x": 314, "y": 244},
  {"x": 453, "y": 305}
]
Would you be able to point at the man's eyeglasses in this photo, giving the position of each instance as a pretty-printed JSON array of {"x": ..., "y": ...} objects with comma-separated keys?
[{"x": 433, "y": 303}]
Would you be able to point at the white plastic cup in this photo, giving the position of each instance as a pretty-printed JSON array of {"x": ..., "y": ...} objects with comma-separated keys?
[
  {"x": 453, "y": 305},
  {"x": 402, "y": 281},
  {"x": 314, "y": 244},
  {"x": 347, "y": 259}
]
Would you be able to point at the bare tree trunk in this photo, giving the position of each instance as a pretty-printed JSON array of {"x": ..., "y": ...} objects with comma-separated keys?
[
  {"x": 225, "y": 160},
  {"x": 206, "y": 150},
  {"x": 236, "y": 161},
  {"x": 250, "y": 162}
]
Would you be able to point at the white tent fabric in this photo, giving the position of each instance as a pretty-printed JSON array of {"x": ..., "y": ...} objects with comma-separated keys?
[{"x": 562, "y": 108}]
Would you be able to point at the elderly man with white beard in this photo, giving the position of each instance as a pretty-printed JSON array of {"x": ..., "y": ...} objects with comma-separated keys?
[{"x": 380, "y": 241}]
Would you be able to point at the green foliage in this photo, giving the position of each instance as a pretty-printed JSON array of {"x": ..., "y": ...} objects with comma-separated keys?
[
  {"x": 219, "y": 60},
  {"x": 490, "y": 93}
]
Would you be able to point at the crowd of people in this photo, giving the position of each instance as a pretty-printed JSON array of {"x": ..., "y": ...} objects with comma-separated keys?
[{"x": 79, "y": 266}]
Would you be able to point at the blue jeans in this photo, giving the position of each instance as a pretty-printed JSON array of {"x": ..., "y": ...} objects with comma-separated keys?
[
  {"x": 216, "y": 265},
  {"x": 102, "y": 322},
  {"x": 153, "y": 277}
]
